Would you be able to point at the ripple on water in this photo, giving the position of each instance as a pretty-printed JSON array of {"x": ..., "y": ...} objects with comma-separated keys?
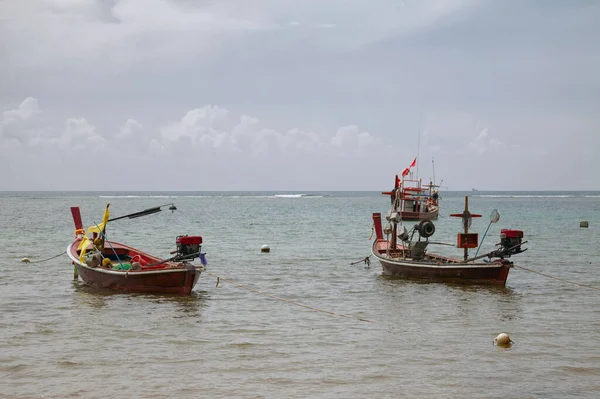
[{"x": 61, "y": 338}]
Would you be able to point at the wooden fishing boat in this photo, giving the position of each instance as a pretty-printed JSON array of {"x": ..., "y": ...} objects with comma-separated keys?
[
  {"x": 401, "y": 255},
  {"x": 411, "y": 199},
  {"x": 108, "y": 264}
]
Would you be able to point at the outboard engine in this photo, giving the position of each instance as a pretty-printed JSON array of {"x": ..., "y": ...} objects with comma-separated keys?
[
  {"x": 188, "y": 247},
  {"x": 510, "y": 241}
]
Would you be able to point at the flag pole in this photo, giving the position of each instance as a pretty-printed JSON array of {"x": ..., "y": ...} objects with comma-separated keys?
[{"x": 418, "y": 149}]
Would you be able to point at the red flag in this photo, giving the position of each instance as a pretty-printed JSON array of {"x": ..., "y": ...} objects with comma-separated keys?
[
  {"x": 405, "y": 172},
  {"x": 414, "y": 163}
]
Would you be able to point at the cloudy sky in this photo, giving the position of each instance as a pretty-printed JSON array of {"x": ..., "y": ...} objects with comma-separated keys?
[{"x": 298, "y": 94}]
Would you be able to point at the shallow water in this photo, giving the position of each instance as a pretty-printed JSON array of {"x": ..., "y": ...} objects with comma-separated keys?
[{"x": 61, "y": 339}]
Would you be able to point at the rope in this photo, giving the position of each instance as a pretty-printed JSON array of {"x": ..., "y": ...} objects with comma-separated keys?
[
  {"x": 367, "y": 261},
  {"x": 26, "y": 260},
  {"x": 284, "y": 300},
  {"x": 557, "y": 278}
]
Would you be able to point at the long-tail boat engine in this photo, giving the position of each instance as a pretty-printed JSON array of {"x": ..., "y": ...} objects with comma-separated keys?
[
  {"x": 188, "y": 247},
  {"x": 510, "y": 244},
  {"x": 510, "y": 241}
]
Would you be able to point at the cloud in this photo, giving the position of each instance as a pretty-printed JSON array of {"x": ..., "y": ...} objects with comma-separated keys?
[
  {"x": 483, "y": 142},
  {"x": 330, "y": 93},
  {"x": 113, "y": 35},
  {"x": 212, "y": 129},
  {"x": 121, "y": 34},
  {"x": 80, "y": 136},
  {"x": 205, "y": 139},
  {"x": 131, "y": 128},
  {"x": 28, "y": 108},
  {"x": 18, "y": 125}
]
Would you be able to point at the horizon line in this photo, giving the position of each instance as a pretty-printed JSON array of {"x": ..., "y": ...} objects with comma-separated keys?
[{"x": 280, "y": 190}]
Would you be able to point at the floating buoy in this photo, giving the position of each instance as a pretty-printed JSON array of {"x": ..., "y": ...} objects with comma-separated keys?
[
  {"x": 583, "y": 223},
  {"x": 265, "y": 248},
  {"x": 503, "y": 340},
  {"x": 25, "y": 260}
]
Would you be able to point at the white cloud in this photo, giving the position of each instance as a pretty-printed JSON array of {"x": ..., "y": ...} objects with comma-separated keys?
[
  {"x": 130, "y": 129},
  {"x": 212, "y": 128},
  {"x": 28, "y": 108},
  {"x": 18, "y": 125},
  {"x": 80, "y": 136},
  {"x": 231, "y": 152},
  {"x": 209, "y": 138}
]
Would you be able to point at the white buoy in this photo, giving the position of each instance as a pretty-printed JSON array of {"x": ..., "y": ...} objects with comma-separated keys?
[
  {"x": 25, "y": 260},
  {"x": 265, "y": 248},
  {"x": 503, "y": 340}
]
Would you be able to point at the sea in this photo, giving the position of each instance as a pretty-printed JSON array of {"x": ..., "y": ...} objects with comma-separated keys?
[{"x": 312, "y": 318}]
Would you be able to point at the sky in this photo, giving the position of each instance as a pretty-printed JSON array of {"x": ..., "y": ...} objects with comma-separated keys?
[{"x": 298, "y": 95}]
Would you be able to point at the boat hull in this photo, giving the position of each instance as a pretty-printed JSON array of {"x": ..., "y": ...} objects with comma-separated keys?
[
  {"x": 169, "y": 278},
  {"x": 430, "y": 215},
  {"x": 445, "y": 270}
]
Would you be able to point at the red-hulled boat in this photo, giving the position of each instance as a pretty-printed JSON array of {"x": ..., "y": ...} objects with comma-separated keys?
[
  {"x": 412, "y": 199},
  {"x": 403, "y": 256},
  {"x": 109, "y": 264}
]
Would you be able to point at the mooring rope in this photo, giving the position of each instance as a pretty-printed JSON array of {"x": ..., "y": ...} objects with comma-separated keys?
[
  {"x": 557, "y": 278},
  {"x": 366, "y": 261},
  {"x": 285, "y": 300},
  {"x": 26, "y": 260}
]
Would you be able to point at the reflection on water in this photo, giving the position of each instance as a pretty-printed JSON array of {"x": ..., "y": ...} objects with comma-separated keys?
[
  {"x": 467, "y": 302},
  {"x": 88, "y": 296},
  {"x": 504, "y": 302}
]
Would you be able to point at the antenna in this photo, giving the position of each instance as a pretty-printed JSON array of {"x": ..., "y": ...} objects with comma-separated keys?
[
  {"x": 433, "y": 166},
  {"x": 418, "y": 148}
]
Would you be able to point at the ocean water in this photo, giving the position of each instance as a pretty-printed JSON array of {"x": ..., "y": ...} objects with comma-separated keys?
[{"x": 375, "y": 337}]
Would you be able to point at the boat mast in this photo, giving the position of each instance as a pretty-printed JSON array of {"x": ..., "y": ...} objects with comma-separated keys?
[{"x": 418, "y": 149}]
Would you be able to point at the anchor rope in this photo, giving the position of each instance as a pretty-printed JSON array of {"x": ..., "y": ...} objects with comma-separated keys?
[
  {"x": 44, "y": 260},
  {"x": 557, "y": 278},
  {"x": 285, "y": 300},
  {"x": 366, "y": 261}
]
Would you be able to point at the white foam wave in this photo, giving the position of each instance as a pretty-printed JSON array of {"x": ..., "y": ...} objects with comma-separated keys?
[
  {"x": 525, "y": 196},
  {"x": 137, "y": 196},
  {"x": 297, "y": 196}
]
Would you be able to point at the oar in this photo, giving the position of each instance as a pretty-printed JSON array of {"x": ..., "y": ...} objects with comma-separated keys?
[{"x": 494, "y": 217}]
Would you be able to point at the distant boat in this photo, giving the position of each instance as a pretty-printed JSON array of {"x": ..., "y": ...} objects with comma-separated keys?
[
  {"x": 108, "y": 264},
  {"x": 412, "y": 200},
  {"x": 401, "y": 255}
]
